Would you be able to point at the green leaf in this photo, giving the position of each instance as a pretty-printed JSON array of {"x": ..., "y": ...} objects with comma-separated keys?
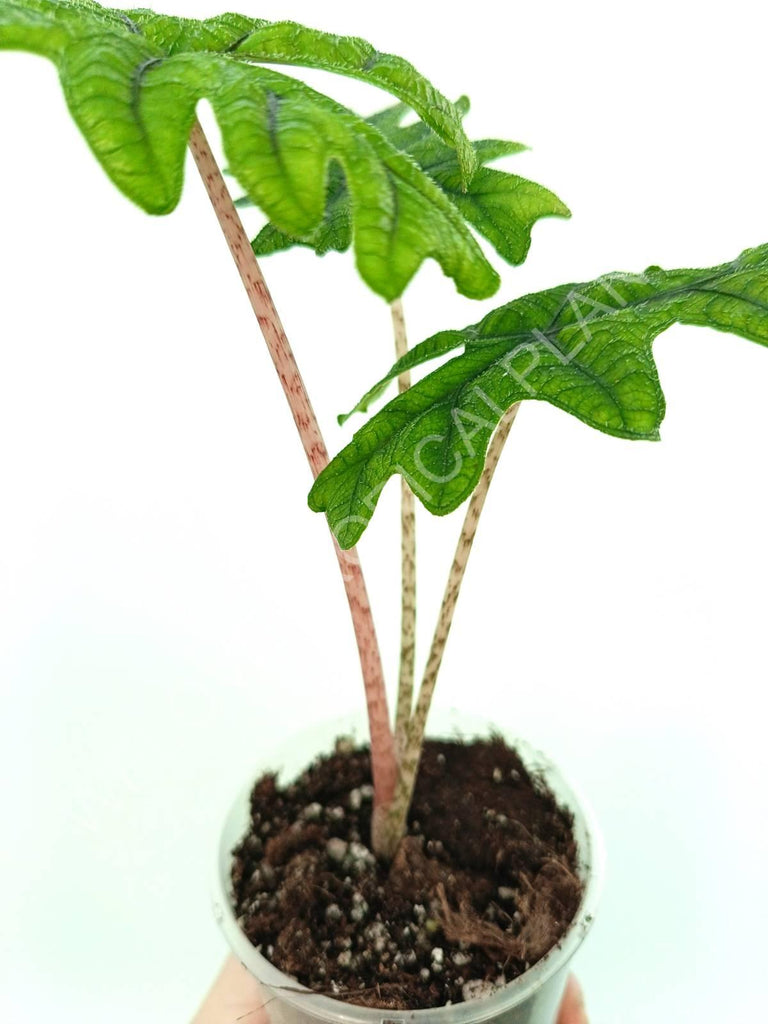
[
  {"x": 333, "y": 233},
  {"x": 132, "y": 81},
  {"x": 286, "y": 42},
  {"x": 502, "y": 207},
  {"x": 289, "y": 43},
  {"x": 585, "y": 348}
]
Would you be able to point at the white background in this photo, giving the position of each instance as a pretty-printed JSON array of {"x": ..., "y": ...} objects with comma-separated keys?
[{"x": 169, "y": 606}]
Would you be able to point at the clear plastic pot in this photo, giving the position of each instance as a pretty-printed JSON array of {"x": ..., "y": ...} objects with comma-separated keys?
[{"x": 533, "y": 998}]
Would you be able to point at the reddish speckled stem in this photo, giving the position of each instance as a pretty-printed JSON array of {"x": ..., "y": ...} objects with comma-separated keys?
[
  {"x": 390, "y": 831},
  {"x": 382, "y": 744}
]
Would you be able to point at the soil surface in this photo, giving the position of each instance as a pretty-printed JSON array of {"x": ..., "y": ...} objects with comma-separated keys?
[{"x": 483, "y": 885}]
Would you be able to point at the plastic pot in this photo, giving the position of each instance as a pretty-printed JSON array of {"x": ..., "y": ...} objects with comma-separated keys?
[{"x": 532, "y": 998}]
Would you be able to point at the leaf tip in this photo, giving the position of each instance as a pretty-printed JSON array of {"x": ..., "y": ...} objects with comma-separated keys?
[
  {"x": 347, "y": 539},
  {"x": 314, "y": 499},
  {"x": 160, "y": 208},
  {"x": 482, "y": 288}
]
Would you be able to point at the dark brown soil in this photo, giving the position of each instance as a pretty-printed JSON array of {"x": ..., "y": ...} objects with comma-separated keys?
[{"x": 483, "y": 885}]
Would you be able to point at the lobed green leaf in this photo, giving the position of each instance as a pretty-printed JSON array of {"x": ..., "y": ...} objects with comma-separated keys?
[
  {"x": 132, "y": 80},
  {"x": 289, "y": 43},
  {"x": 502, "y": 207},
  {"x": 286, "y": 42},
  {"x": 585, "y": 348}
]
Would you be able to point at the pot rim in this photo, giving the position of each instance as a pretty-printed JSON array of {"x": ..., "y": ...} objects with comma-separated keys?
[{"x": 335, "y": 1011}]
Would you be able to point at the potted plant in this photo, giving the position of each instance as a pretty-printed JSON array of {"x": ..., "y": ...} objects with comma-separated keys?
[{"x": 396, "y": 193}]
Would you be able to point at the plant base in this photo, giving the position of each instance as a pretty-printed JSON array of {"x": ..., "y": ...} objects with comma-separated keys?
[{"x": 482, "y": 887}]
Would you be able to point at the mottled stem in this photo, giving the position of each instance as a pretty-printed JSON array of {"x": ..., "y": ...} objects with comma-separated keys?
[
  {"x": 408, "y": 565},
  {"x": 384, "y": 765},
  {"x": 394, "y": 827}
]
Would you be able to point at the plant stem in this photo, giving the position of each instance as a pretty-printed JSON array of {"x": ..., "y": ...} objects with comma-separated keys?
[
  {"x": 408, "y": 563},
  {"x": 409, "y": 762},
  {"x": 383, "y": 763}
]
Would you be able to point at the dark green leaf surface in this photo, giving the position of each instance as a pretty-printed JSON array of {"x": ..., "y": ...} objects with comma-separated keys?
[
  {"x": 501, "y": 207},
  {"x": 132, "y": 80},
  {"x": 586, "y": 348}
]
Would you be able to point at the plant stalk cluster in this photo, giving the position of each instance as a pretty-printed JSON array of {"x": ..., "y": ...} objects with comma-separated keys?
[{"x": 395, "y": 756}]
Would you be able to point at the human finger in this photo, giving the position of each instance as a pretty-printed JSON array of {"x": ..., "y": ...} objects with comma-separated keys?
[
  {"x": 234, "y": 996},
  {"x": 572, "y": 1010}
]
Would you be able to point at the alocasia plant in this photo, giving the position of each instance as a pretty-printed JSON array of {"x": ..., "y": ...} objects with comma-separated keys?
[{"x": 396, "y": 194}]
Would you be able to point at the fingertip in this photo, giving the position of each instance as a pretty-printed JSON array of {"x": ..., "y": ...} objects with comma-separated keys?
[
  {"x": 235, "y": 995},
  {"x": 574, "y": 992},
  {"x": 573, "y": 1010}
]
